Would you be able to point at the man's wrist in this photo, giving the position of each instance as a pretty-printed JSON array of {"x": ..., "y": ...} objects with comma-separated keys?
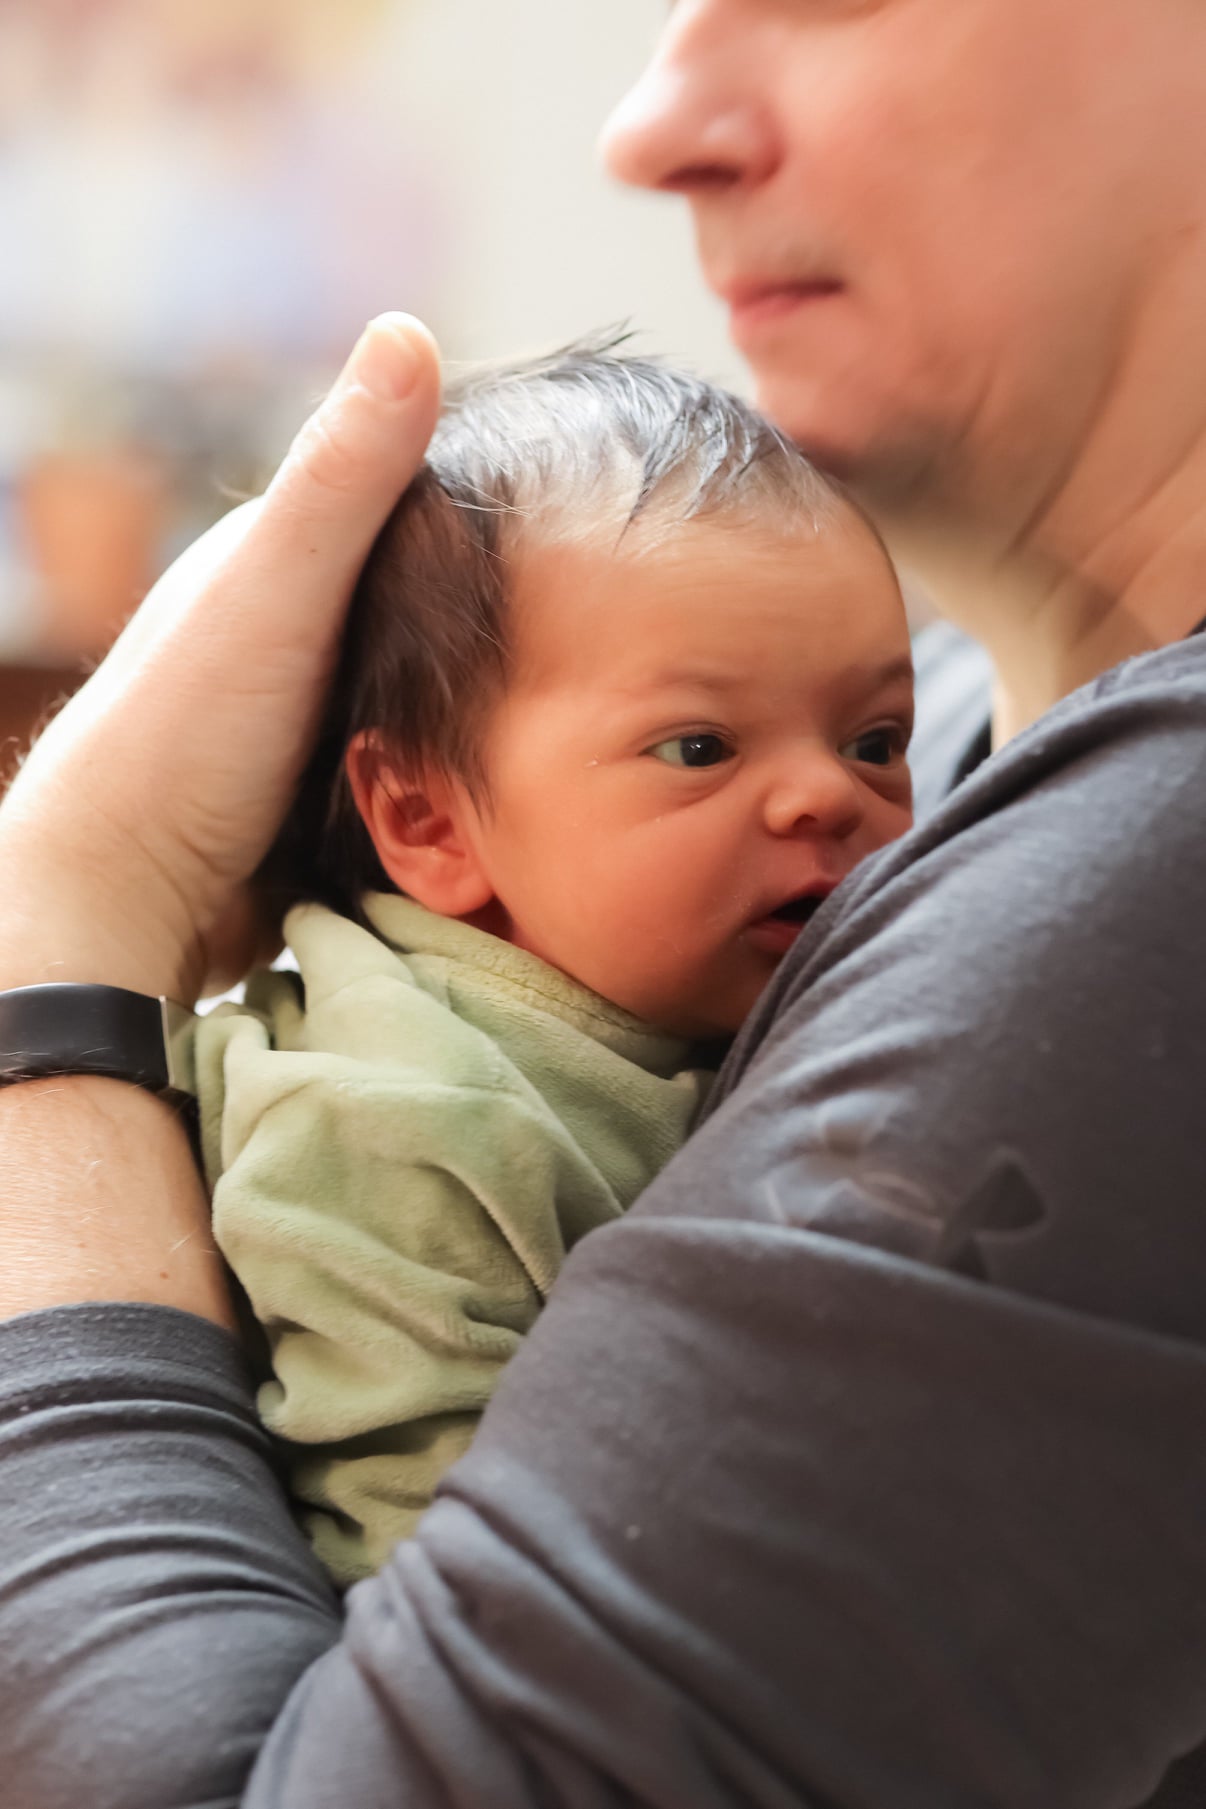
[
  {"x": 46, "y": 938},
  {"x": 102, "y": 1201},
  {"x": 102, "y": 1198}
]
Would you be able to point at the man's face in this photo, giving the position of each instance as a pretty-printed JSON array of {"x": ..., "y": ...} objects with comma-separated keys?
[
  {"x": 702, "y": 736},
  {"x": 935, "y": 222}
]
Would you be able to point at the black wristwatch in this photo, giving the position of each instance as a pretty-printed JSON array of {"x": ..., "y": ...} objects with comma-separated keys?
[{"x": 99, "y": 1030}]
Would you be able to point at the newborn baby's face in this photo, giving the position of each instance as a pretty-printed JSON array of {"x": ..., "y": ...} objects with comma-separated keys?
[{"x": 701, "y": 739}]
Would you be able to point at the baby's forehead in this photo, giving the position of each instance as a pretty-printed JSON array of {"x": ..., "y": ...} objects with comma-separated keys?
[
  {"x": 588, "y": 591},
  {"x": 615, "y": 535}
]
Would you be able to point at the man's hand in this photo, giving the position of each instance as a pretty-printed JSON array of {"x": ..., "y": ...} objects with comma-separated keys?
[{"x": 128, "y": 837}]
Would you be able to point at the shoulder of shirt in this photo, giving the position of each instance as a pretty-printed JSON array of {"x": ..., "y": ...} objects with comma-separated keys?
[{"x": 1098, "y": 735}]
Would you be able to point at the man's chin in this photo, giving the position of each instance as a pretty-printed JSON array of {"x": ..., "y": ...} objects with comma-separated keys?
[
  {"x": 823, "y": 425},
  {"x": 886, "y": 462}
]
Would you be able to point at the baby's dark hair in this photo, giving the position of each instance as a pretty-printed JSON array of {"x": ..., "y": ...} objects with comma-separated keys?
[{"x": 583, "y": 444}]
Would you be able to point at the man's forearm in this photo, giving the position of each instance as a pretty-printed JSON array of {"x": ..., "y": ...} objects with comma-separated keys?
[
  {"x": 99, "y": 1193},
  {"x": 79, "y": 1156}
]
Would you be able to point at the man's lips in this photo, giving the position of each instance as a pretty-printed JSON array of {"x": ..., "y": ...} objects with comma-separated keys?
[{"x": 753, "y": 305}]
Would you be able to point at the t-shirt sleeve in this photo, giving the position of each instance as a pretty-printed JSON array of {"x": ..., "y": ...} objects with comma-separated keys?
[
  {"x": 859, "y": 1465},
  {"x": 156, "y": 1599}
]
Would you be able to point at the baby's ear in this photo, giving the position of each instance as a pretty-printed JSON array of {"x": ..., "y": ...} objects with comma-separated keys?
[{"x": 421, "y": 824}]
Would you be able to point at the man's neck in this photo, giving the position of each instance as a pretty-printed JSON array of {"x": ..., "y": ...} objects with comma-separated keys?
[
  {"x": 1066, "y": 602},
  {"x": 1110, "y": 561}
]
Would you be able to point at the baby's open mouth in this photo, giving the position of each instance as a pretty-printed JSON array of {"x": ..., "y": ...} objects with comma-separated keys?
[
  {"x": 776, "y": 931},
  {"x": 797, "y": 910}
]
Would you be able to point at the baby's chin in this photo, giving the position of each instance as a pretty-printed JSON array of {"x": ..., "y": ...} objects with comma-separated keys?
[
  {"x": 706, "y": 1006},
  {"x": 702, "y": 1019}
]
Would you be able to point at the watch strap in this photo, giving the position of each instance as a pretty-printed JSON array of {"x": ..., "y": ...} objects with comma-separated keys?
[{"x": 100, "y": 1030}]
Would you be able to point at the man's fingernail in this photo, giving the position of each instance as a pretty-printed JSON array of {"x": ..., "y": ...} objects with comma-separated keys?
[{"x": 385, "y": 358}]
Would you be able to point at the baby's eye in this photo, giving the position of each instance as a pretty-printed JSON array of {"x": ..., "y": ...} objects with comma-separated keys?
[
  {"x": 877, "y": 747},
  {"x": 693, "y": 750}
]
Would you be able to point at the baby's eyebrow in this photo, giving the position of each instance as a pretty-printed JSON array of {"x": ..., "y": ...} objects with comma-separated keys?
[
  {"x": 714, "y": 678},
  {"x": 694, "y": 678},
  {"x": 892, "y": 673}
]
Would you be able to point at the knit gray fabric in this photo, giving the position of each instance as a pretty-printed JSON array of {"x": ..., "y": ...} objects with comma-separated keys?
[{"x": 861, "y": 1463}]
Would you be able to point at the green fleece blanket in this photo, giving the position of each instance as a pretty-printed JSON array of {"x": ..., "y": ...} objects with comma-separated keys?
[{"x": 403, "y": 1144}]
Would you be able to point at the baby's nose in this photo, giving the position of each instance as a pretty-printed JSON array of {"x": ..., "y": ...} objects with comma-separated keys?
[{"x": 815, "y": 795}]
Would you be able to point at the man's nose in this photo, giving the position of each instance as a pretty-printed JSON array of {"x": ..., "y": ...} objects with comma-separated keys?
[
  {"x": 689, "y": 124},
  {"x": 815, "y": 795}
]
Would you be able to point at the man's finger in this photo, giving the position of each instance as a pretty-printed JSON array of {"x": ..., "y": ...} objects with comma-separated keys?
[
  {"x": 355, "y": 456},
  {"x": 342, "y": 476}
]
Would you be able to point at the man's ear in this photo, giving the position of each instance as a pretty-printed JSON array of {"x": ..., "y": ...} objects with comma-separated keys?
[{"x": 421, "y": 825}]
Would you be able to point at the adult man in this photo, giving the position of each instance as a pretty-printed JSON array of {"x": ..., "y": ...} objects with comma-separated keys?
[
  {"x": 862, "y": 1462},
  {"x": 963, "y": 251}
]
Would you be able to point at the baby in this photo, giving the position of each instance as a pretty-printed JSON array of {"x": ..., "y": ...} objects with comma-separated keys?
[{"x": 626, "y": 692}]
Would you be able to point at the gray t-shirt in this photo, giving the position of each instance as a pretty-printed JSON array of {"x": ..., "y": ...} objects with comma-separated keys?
[{"x": 861, "y": 1466}]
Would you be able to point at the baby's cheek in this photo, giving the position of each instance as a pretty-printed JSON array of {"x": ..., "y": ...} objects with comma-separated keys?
[{"x": 888, "y": 823}]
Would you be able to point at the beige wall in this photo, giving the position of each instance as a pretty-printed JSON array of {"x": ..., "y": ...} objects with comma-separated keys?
[
  {"x": 512, "y": 92},
  {"x": 201, "y": 235}
]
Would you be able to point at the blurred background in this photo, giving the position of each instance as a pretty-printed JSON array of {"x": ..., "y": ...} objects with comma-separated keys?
[{"x": 202, "y": 201}]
